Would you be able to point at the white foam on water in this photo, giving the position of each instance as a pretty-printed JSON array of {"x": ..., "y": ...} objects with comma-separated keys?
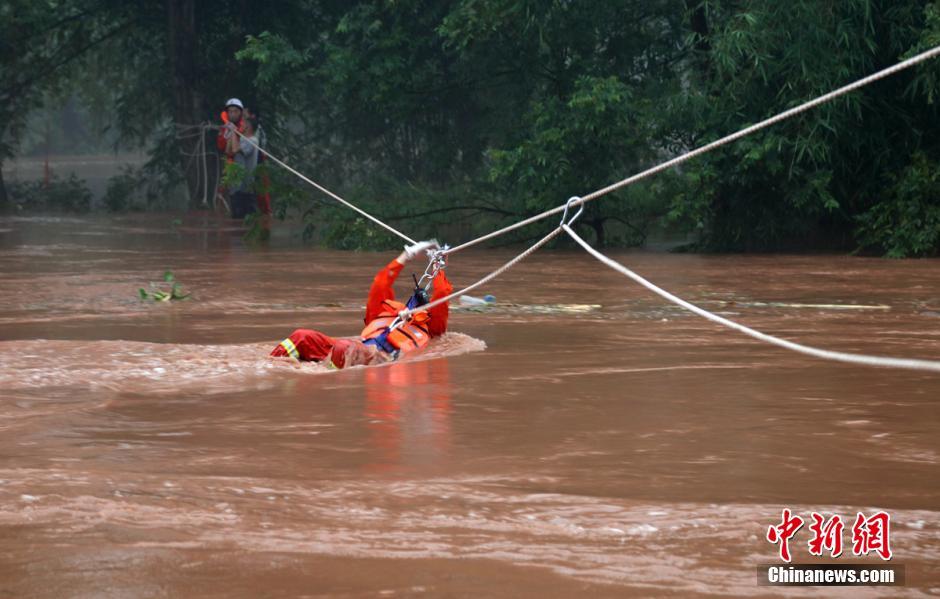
[
  {"x": 688, "y": 547},
  {"x": 133, "y": 366}
]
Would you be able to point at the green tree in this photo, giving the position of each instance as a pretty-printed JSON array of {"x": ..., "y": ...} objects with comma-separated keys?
[
  {"x": 519, "y": 103},
  {"x": 803, "y": 183},
  {"x": 576, "y": 100}
]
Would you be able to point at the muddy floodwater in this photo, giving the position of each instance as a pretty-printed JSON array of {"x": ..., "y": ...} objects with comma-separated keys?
[{"x": 579, "y": 437}]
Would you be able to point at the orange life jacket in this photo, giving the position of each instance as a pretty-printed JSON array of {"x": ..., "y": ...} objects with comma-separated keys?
[
  {"x": 220, "y": 141},
  {"x": 406, "y": 337}
]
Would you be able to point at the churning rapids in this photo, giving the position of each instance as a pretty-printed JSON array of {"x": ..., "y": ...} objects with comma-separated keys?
[{"x": 577, "y": 437}]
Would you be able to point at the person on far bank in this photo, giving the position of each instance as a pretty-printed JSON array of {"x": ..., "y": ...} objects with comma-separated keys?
[
  {"x": 243, "y": 150},
  {"x": 231, "y": 122},
  {"x": 263, "y": 185}
]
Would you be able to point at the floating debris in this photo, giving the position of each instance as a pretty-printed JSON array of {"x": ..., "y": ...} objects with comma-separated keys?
[
  {"x": 507, "y": 308},
  {"x": 800, "y": 305},
  {"x": 159, "y": 295}
]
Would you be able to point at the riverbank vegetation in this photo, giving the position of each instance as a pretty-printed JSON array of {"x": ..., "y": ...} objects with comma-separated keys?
[{"x": 463, "y": 115}]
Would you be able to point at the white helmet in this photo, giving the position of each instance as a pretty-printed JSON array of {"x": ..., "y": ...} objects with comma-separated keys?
[{"x": 235, "y": 102}]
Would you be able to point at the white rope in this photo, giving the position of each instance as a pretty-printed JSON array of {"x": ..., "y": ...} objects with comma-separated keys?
[
  {"x": 193, "y": 158},
  {"x": 331, "y": 194},
  {"x": 825, "y": 354},
  {"x": 933, "y": 52},
  {"x": 202, "y": 174}
]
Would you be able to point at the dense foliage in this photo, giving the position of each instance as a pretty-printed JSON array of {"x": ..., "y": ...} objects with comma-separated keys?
[{"x": 455, "y": 116}]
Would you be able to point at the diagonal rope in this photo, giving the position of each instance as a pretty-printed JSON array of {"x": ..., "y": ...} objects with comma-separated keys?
[
  {"x": 926, "y": 55},
  {"x": 825, "y": 354},
  {"x": 330, "y": 193}
]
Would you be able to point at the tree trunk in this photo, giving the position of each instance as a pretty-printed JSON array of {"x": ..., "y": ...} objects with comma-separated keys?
[
  {"x": 598, "y": 225},
  {"x": 4, "y": 199},
  {"x": 698, "y": 21},
  {"x": 181, "y": 51}
]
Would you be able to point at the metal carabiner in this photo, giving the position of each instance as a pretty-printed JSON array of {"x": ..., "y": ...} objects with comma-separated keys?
[
  {"x": 568, "y": 204},
  {"x": 437, "y": 261}
]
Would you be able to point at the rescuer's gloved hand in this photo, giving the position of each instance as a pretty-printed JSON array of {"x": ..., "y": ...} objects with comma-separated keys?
[{"x": 413, "y": 250}]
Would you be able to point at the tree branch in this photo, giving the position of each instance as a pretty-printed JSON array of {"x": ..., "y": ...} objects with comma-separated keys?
[
  {"x": 452, "y": 209},
  {"x": 52, "y": 68},
  {"x": 65, "y": 20}
]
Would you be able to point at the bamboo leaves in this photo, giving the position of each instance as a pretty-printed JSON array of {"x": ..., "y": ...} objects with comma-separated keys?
[{"x": 156, "y": 294}]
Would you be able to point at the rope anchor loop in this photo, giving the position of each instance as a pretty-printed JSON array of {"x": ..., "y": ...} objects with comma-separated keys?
[{"x": 571, "y": 202}]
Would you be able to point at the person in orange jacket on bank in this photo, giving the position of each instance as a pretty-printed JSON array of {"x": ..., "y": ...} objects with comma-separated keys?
[{"x": 385, "y": 337}]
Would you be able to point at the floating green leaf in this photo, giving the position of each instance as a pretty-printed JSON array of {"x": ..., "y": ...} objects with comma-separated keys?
[{"x": 159, "y": 295}]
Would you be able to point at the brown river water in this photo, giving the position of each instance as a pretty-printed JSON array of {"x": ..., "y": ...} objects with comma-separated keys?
[{"x": 579, "y": 436}]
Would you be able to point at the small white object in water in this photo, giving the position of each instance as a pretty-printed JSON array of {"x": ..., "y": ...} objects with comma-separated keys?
[
  {"x": 29, "y": 498},
  {"x": 469, "y": 300}
]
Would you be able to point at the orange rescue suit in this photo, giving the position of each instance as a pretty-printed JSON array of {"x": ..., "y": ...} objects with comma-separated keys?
[{"x": 381, "y": 310}]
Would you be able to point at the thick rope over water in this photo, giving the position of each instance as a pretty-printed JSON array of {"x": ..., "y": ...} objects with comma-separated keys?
[
  {"x": 932, "y": 53},
  {"x": 882, "y": 361}
]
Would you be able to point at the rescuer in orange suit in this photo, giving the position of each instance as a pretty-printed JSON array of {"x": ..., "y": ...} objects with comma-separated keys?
[{"x": 385, "y": 337}]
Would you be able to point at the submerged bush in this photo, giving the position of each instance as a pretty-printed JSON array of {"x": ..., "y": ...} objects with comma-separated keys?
[
  {"x": 136, "y": 190},
  {"x": 68, "y": 195},
  {"x": 907, "y": 221}
]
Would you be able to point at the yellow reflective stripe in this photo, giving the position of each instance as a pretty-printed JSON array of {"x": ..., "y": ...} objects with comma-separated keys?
[{"x": 290, "y": 348}]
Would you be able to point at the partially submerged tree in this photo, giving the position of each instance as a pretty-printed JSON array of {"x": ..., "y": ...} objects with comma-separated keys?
[{"x": 40, "y": 40}]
